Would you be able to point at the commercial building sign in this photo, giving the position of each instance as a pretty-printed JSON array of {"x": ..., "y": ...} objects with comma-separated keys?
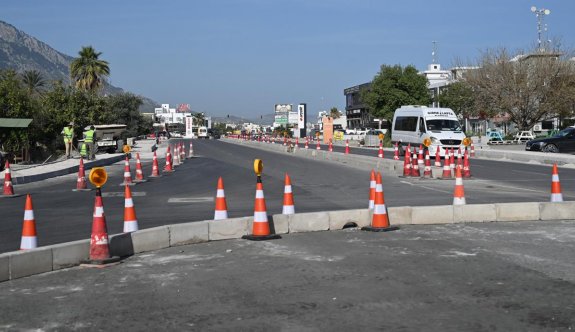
[{"x": 301, "y": 119}]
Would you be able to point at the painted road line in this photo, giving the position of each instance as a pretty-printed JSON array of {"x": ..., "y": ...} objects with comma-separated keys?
[
  {"x": 190, "y": 199},
  {"x": 121, "y": 194}
]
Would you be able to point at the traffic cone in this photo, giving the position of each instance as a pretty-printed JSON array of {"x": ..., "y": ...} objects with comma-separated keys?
[
  {"x": 330, "y": 146},
  {"x": 372, "y": 185},
  {"x": 182, "y": 152},
  {"x": 139, "y": 173},
  {"x": 29, "y": 237},
  {"x": 127, "y": 174},
  {"x": 318, "y": 147},
  {"x": 420, "y": 155},
  {"x": 406, "y": 164},
  {"x": 346, "y": 146},
  {"x": 155, "y": 168},
  {"x": 99, "y": 244},
  {"x": 168, "y": 167},
  {"x": 260, "y": 227},
  {"x": 81, "y": 183},
  {"x": 415, "y": 165},
  {"x": 459, "y": 192},
  {"x": 472, "y": 150},
  {"x": 288, "y": 206},
  {"x": 191, "y": 151},
  {"x": 451, "y": 160},
  {"x": 130, "y": 220},
  {"x": 438, "y": 157},
  {"x": 285, "y": 141},
  {"x": 221, "y": 210},
  {"x": 446, "y": 169},
  {"x": 427, "y": 169},
  {"x": 8, "y": 188},
  {"x": 396, "y": 152},
  {"x": 175, "y": 157},
  {"x": 556, "y": 195},
  {"x": 380, "y": 151},
  {"x": 379, "y": 221},
  {"x": 466, "y": 168},
  {"x": 459, "y": 161},
  {"x": 306, "y": 143}
]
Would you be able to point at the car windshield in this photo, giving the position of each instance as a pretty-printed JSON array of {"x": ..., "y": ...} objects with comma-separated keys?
[
  {"x": 443, "y": 125},
  {"x": 565, "y": 132}
]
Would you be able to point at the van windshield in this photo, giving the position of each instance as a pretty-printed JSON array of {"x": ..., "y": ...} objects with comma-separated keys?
[{"x": 443, "y": 125}]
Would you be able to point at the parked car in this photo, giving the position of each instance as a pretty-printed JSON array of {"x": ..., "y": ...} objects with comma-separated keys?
[{"x": 564, "y": 141}]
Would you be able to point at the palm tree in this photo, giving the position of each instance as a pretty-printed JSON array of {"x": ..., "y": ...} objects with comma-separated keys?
[
  {"x": 334, "y": 113},
  {"x": 88, "y": 72},
  {"x": 33, "y": 81},
  {"x": 199, "y": 119}
]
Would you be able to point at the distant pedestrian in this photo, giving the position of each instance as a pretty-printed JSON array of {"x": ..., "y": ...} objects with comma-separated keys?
[
  {"x": 89, "y": 142},
  {"x": 68, "y": 133}
]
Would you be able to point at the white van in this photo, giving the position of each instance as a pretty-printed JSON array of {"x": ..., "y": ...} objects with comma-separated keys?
[
  {"x": 413, "y": 124},
  {"x": 203, "y": 132}
]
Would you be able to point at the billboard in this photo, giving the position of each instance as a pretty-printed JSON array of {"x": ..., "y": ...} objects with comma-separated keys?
[
  {"x": 302, "y": 119},
  {"x": 282, "y": 108}
]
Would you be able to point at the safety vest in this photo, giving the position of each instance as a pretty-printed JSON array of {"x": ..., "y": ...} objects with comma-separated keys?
[
  {"x": 68, "y": 134},
  {"x": 83, "y": 150},
  {"x": 89, "y": 136}
]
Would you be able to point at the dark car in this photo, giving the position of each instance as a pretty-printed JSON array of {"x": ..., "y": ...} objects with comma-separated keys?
[{"x": 563, "y": 141}]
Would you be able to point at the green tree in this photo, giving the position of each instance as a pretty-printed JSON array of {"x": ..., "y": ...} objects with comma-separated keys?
[
  {"x": 33, "y": 81},
  {"x": 88, "y": 71},
  {"x": 15, "y": 102},
  {"x": 334, "y": 113},
  {"x": 392, "y": 87},
  {"x": 199, "y": 119},
  {"x": 124, "y": 109}
]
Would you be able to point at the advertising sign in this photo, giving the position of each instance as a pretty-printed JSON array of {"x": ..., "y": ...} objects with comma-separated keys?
[{"x": 302, "y": 119}]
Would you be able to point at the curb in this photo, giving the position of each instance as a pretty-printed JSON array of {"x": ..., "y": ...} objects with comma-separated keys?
[{"x": 18, "y": 264}]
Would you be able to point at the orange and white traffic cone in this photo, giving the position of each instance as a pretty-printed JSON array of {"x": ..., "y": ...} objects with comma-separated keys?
[
  {"x": 472, "y": 150},
  {"x": 29, "y": 236},
  {"x": 438, "y": 157},
  {"x": 406, "y": 164},
  {"x": 556, "y": 195},
  {"x": 168, "y": 167},
  {"x": 427, "y": 167},
  {"x": 446, "y": 169},
  {"x": 139, "y": 174},
  {"x": 379, "y": 221},
  {"x": 459, "y": 161},
  {"x": 330, "y": 146},
  {"x": 372, "y": 185},
  {"x": 155, "y": 167},
  {"x": 318, "y": 147},
  {"x": 466, "y": 168},
  {"x": 415, "y": 165},
  {"x": 99, "y": 243},
  {"x": 396, "y": 152},
  {"x": 380, "y": 151},
  {"x": 306, "y": 143},
  {"x": 346, "y": 146},
  {"x": 175, "y": 157},
  {"x": 420, "y": 157},
  {"x": 221, "y": 210},
  {"x": 127, "y": 174},
  {"x": 288, "y": 206},
  {"x": 459, "y": 192},
  {"x": 81, "y": 183},
  {"x": 452, "y": 160},
  {"x": 8, "y": 188},
  {"x": 191, "y": 151},
  {"x": 130, "y": 220},
  {"x": 182, "y": 152},
  {"x": 260, "y": 227}
]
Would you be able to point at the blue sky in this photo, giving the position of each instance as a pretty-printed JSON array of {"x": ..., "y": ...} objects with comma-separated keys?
[{"x": 242, "y": 57}]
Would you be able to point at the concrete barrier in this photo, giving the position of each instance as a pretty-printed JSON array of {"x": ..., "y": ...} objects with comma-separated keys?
[
  {"x": 228, "y": 228},
  {"x": 517, "y": 211},
  {"x": 188, "y": 233},
  {"x": 19, "y": 264},
  {"x": 29, "y": 262},
  {"x": 4, "y": 267},
  {"x": 69, "y": 254},
  {"x": 309, "y": 222}
]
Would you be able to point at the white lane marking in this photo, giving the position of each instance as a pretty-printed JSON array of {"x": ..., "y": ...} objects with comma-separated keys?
[
  {"x": 121, "y": 194},
  {"x": 190, "y": 199},
  {"x": 426, "y": 187}
]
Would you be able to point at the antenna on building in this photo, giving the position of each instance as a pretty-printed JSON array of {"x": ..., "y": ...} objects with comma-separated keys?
[
  {"x": 434, "y": 52},
  {"x": 540, "y": 13}
]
